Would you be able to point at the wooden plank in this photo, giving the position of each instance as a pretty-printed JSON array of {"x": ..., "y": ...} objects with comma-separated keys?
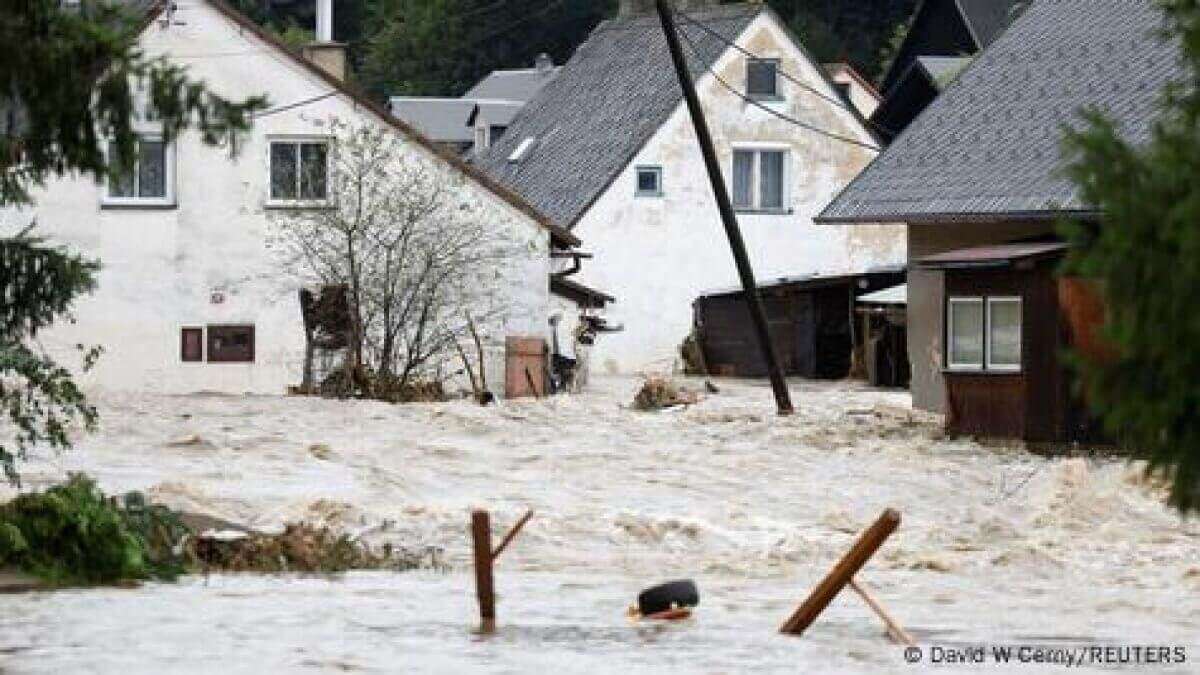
[
  {"x": 895, "y": 630},
  {"x": 481, "y": 535},
  {"x": 866, "y": 546},
  {"x": 511, "y": 533}
]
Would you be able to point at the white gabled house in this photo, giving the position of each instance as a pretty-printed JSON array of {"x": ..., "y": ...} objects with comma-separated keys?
[
  {"x": 189, "y": 297},
  {"x": 607, "y": 150}
]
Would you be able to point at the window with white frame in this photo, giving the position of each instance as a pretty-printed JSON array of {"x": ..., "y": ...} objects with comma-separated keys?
[
  {"x": 762, "y": 78},
  {"x": 1004, "y": 333},
  {"x": 151, "y": 179},
  {"x": 649, "y": 181},
  {"x": 983, "y": 333},
  {"x": 299, "y": 171},
  {"x": 759, "y": 179}
]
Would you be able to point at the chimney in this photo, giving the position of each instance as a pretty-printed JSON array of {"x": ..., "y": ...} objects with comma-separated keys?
[
  {"x": 543, "y": 64},
  {"x": 328, "y": 55}
]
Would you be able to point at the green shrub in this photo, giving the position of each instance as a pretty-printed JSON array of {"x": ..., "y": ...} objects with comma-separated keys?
[{"x": 72, "y": 534}]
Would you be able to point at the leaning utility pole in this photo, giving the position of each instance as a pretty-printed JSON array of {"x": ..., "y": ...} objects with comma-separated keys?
[{"x": 728, "y": 218}]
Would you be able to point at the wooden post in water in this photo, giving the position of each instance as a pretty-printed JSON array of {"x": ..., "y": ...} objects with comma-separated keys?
[
  {"x": 481, "y": 535},
  {"x": 847, "y": 567},
  {"x": 485, "y": 559}
]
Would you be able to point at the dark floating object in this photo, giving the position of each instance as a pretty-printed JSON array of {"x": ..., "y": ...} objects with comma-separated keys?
[{"x": 669, "y": 597}]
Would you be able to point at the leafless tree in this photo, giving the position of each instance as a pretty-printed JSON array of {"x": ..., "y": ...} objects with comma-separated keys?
[{"x": 416, "y": 251}]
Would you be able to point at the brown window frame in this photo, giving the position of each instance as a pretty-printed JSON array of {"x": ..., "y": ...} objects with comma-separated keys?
[
  {"x": 217, "y": 355},
  {"x": 183, "y": 344}
]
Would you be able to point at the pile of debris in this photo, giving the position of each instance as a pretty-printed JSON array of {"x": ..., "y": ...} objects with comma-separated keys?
[
  {"x": 659, "y": 393},
  {"x": 299, "y": 548}
]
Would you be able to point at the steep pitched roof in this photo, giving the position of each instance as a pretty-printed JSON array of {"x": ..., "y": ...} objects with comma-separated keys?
[
  {"x": 986, "y": 19},
  {"x": 605, "y": 104},
  {"x": 988, "y": 146},
  {"x": 343, "y": 88}
]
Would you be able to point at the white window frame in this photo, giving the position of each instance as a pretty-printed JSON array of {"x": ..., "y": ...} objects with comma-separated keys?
[
  {"x": 1004, "y": 367},
  {"x": 756, "y": 178},
  {"x": 168, "y": 198},
  {"x": 637, "y": 182},
  {"x": 271, "y": 202},
  {"x": 965, "y": 300}
]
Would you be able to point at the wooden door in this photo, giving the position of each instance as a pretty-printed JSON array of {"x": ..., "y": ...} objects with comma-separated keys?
[{"x": 524, "y": 366}]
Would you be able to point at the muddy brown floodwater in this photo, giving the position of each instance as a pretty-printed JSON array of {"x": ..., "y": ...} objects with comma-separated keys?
[{"x": 996, "y": 545}]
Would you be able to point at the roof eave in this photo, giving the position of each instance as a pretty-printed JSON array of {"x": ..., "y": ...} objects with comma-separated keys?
[{"x": 952, "y": 217}]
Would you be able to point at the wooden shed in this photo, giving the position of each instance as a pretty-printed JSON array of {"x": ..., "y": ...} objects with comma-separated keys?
[
  {"x": 1008, "y": 319},
  {"x": 884, "y": 326},
  {"x": 810, "y": 320}
]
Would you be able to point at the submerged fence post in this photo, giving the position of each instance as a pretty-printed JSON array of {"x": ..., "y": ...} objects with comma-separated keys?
[
  {"x": 481, "y": 534},
  {"x": 841, "y": 574}
]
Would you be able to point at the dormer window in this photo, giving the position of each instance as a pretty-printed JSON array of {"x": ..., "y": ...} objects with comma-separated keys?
[
  {"x": 149, "y": 182},
  {"x": 762, "y": 78}
]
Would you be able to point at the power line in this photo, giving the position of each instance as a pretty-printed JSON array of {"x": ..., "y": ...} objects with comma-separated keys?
[
  {"x": 297, "y": 104},
  {"x": 758, "y": 104},
  {"x": 782, "y": 73}
]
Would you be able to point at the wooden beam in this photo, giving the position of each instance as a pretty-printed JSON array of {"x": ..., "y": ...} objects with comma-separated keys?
[
  {"x": 866, "y": 546},
  {"x": 894, "y": 629},
  {"x": 511, "y": 533}
]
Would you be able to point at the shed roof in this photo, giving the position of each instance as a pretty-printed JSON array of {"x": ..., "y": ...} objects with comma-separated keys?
[
  {"x": 987, "y": 148},
  {"x": 614, "y": 93},
  {"x": 896, "y": 295}
]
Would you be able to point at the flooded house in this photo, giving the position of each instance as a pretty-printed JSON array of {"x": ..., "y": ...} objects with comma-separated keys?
[
  {"x": 607, "y": 150},
  {"x": 189, "y": 297},
  {"x": 977, "y": 179}
]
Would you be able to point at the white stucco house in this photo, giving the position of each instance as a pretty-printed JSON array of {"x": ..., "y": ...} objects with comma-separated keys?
[
  {"x": 190, "y": 297},
  {"x": 607, "y": 150}
]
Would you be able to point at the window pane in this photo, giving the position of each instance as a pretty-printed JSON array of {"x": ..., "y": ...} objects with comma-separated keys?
[
  {"x": 966, "y": 332},
  {"x": 1004, "y": 328},
  {"x": 120, "y": 184},
  {"x": 313, "y": 183},
  {"x": 760, "y": 78},
  {"x": 743, "y": 178},
  {"x": 647, "y": 181},
  {"x": 152, "y": 169},
  {"x": 283, "y": 171},
  {"x": 771, "y": 180}
]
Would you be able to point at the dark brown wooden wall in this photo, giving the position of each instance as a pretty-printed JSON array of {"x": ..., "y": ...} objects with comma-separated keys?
[{"x": 1031, "y": 405}]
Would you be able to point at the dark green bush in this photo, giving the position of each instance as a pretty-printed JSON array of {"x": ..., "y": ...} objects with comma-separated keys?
[{"x": 73, "y": 534}]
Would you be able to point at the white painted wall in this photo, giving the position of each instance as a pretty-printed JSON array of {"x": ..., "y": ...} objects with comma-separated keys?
[
  {"x": 162, "y": 266},
  {"x": 656, "y": 255},
  {"x": 863, "y": 100}
]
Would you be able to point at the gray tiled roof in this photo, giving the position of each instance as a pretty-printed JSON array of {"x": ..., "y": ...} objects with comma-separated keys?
[
  {"x": 512, "y": 85},
  {"x": 943, "y": 69},
  {"x": 987, "y": 18},
  {"x": 989, "y": 145},
  {"x": 607, "y": 101},
  {"x": 440, "y": 119}
]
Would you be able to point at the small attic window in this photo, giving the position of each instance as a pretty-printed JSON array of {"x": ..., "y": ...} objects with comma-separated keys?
[
  {"x": 522, "y": 150},
  {"x": 762, "y": 78}
]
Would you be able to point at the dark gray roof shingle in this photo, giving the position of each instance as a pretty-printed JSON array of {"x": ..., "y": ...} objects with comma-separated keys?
[
  {"x": 603, "y": 106},
  {"x": 989, "y": 145},
  {"x": 512, "y": 85}
]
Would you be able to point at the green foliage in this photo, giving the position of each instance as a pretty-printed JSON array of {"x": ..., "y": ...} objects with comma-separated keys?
[
  {"x": 1144, "y": 252},
  {"x": 72, "y": 534},
  {"x": 891, "y": 48},
  {"x": 38, "y": 396}
]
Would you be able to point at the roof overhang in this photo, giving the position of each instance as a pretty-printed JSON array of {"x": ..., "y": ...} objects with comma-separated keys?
[
  {"x": 952, "y": 218},
  {"x": 993, "y": 256},
  {"x": 578, "y": 293}
]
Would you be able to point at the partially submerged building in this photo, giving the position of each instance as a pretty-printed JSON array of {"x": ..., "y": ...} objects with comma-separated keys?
[
  {"x": 607, "y": 150},
  {"x": 977, "y": 178}
]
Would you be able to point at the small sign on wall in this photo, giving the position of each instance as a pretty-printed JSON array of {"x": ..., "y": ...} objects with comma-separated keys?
[{"x": 217, "y": 297}]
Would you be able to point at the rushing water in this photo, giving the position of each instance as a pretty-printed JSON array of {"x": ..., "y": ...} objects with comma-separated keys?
[{"x": 996, "y": 546}]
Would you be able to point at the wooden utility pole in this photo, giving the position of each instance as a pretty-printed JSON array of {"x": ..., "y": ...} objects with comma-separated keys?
[
  {"x": 750, "y": 288},
  {"x": 485, "y": 558}
]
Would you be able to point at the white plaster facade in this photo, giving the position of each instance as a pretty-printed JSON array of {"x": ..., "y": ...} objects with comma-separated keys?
[
  {"x": 657, "y": 254},
  {"x": 204, "y": 260}
]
